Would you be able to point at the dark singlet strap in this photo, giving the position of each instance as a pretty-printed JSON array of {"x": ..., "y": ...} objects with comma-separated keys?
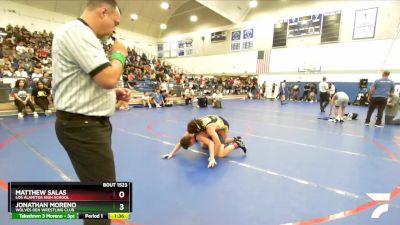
[{"x": 225, "y": 122}]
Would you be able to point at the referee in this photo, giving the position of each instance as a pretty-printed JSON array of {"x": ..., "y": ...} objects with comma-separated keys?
[
  {"x": 377, "y": 97},
  {"x": 84, "y": 83},
  {"x": 323, "y": 94}
]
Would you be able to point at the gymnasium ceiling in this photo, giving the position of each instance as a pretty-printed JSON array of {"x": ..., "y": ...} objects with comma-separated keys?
[{"x": 210, "y": 13}]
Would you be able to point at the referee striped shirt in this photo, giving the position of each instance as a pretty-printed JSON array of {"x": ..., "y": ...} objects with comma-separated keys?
[{"x": 78, "y": 55}]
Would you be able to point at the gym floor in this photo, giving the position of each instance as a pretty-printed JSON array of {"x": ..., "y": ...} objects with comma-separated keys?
[{"x": 299, "y": 170}]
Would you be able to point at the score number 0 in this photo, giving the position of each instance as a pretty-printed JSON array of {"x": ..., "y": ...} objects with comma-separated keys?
[{"x": 121, "y": 195}]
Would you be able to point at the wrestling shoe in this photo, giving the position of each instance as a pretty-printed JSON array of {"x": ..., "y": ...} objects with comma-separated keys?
[
  {"x": 237, "y": 138},
  {"x": 241, "y": 145}
]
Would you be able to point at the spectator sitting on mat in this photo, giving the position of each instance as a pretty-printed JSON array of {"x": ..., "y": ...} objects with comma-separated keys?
[
  {"x": 146, "y": 100},
  {"x": 217, "y": 99},
  {"x": 392, "y": 107},
  {"x": 22, "y": 97},
  {"x": 42, "y": 97},
  {"x": 158, "y": 98},
  {"x": 189, "y": 95},
  {"x": 202, "y": 101},
  {"x": 296, "y": 91}
]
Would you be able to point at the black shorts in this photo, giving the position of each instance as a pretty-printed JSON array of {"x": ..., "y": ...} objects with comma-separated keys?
[{"x": 221, "y": 138}]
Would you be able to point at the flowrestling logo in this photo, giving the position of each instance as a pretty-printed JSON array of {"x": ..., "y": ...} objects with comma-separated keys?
[{"x": 380, "y": 197}]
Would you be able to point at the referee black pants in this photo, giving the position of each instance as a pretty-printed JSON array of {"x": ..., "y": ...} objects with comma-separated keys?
[
  {"x": 87, "y": 141},
  {"x": 323, "y": 100},
  {"x": 376, "y": 102}
]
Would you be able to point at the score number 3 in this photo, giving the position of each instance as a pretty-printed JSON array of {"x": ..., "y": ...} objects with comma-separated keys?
[{"x": 121, "y": 195}]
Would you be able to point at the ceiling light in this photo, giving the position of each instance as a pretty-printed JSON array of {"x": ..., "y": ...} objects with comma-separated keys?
[
  {"x": 165, "y": 5},
  {"x": 253, "y": 4},
  {"x": 163, "y": 26},
  {"x": 134, "y": 17},
  {"x": 193, "y": 18}
]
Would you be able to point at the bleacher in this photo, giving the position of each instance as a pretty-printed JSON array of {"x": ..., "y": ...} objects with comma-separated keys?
[{"x": 138, "y": 64}]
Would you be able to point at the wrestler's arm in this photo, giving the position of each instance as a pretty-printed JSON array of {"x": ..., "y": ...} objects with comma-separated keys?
[
  {"x": 214, "y": 136},
  {"x": 174, "y": 150},
  {"x": 210, "y": 144}
]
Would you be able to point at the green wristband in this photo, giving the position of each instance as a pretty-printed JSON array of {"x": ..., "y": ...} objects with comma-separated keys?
[{"x": 118, "y": 56}]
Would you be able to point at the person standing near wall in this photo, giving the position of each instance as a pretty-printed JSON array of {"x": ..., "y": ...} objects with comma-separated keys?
[
  {"x": 264, "y": 89},
  {"x": 282, "y": 92},
  {"x": 323, "y": 94},
  {"x": 377, "y": 97},
  {"x": 306, "y": 92},
  {"x": 332, "y": 89},
  {"x": 84, "y": 82}
]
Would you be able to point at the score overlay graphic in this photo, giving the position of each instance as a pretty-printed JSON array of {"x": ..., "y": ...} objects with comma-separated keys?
[{"x": 69, "y": 200}]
